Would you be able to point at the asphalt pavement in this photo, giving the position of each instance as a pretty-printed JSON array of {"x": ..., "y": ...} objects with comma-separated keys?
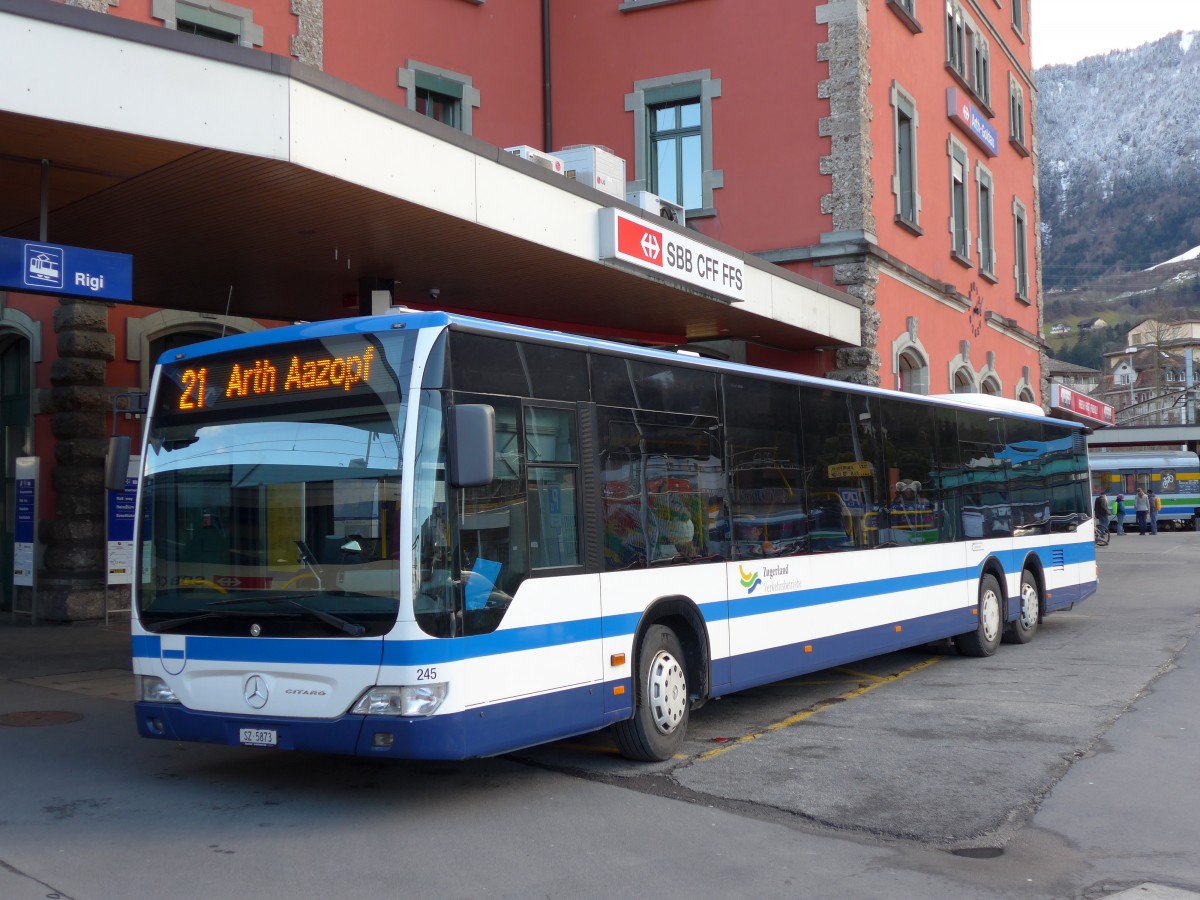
[{"x": 1133, "y": 834}]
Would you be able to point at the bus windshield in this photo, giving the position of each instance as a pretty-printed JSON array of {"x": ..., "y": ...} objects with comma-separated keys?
[{"x": 272, "y": 519}]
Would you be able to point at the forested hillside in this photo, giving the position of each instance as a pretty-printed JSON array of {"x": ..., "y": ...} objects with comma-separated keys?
[{"x": 1119, "y": 160}]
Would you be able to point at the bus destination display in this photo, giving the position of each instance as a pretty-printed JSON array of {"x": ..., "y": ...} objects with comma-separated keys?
[{"x": 252, "y": 379}]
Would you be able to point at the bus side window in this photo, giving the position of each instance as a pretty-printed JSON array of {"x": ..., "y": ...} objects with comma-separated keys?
[
  {"x": 553, "y": 464},
  {"x": 492, "y": 523}
]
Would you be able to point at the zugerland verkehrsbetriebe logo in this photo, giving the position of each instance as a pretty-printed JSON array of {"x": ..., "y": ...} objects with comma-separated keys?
[{"x": 772, "y": 579}]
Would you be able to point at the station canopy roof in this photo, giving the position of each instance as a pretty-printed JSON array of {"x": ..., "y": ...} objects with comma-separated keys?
[{"x": 247, "y": 182}]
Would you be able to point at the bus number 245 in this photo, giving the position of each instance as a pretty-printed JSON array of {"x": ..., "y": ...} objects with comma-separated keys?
[{"x": 427, "y": 674}]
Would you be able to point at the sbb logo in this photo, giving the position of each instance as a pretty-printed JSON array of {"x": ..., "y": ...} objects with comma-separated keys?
[{"x": 635, "y": 239}]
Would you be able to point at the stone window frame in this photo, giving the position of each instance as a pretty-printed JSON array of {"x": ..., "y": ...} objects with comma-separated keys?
[
  {"x": 1021, "y": 250},
  {"x": 1018, "y": 18},
  {"x": 415, "y": 74},
  {"x": 960, "y": 232},
  {"x": 988, "y": 376},
  {"x": 909, "y": 347},
  {"x": 650, "y": 92},
  {"x": 906, "y": 12},
  {"x": 140, "y": 332},
  {"x": 1016, "y": 116},
  {"x": 634, "y": 5},
  {"x": 968, "y": 54},
  {"x": 904, "y": 107},
  {"x": 15, "y": 326},
  {"x": 1023, "y": 390},
  {"x": 215, "y": 14},
  {"x": 985, "y": 185},
  {"x": 961, "y": 365}
]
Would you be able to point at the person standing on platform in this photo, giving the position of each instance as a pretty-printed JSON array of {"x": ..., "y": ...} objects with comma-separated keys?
[{"x": 1141, "y": 509}]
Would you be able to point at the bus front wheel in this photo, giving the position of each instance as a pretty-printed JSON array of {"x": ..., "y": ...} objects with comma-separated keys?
[
  {"x": 989, "y": 627},
  {"x": 661, "y": 702}
]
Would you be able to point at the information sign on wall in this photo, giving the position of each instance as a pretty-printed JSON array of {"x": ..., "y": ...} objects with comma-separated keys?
[
  {"x": 25, "y": 526},
  {"x": 972, "y": 121},
  {"x": 120, "y": 526}
]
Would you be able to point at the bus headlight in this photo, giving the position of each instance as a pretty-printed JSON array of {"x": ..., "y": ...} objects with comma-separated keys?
[
  {"x": 402, "y": 699},
  {"x": 152, "y": 689}
]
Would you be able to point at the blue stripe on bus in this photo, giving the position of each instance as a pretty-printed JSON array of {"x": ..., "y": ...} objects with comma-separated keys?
[
  {"x": 836, "y": 593},
  {"x": 319, "y": 651},
  {"x": 500, "y": 728},
  {"x": 792, "y": 660},
  {"x": 342, "y": 651},
  {"x": 511, "y": 725}
]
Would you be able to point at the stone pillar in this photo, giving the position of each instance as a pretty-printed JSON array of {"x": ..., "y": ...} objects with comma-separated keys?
[
  {"x": 848, "y": 165},
  {"x": 1035, "y": 235},
  {"x": 71, "y": 583},
  {"x": 100, "y": 6},
  {"x": 308, "y": 43}
]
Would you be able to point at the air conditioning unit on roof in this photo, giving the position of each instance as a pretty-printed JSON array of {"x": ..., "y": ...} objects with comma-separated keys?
[
  {"x": 656, "y": 205},
  {"x": 596, "y": 167},
  {"x": 533, "y": 155}
]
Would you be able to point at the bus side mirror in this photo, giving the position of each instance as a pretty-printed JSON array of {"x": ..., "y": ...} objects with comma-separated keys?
[
  {"x": 472, "y": 435},
  {"x": 116, "y": 463}
]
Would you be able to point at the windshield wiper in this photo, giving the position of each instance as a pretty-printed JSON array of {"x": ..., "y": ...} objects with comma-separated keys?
[
  {"x": 170, "y": 624},
  {"x": 351, "y": 628}
]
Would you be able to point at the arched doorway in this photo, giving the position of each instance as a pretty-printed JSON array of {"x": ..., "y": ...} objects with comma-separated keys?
[{"x": 16, "y": 439}]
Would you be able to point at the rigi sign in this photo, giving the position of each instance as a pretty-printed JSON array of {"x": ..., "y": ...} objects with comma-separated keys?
[
  {"x": 42, "y": 268},
  {"x": 632, "y": 240}
]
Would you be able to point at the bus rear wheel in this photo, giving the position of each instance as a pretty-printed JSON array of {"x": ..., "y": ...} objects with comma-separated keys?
[
  {"x": 1025, "y": 627},
  {"x": 661, "y": 701},
  {"x": 989, "y": 628}
]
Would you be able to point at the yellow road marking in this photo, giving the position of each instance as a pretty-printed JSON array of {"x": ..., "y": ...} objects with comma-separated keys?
[
  {"x": 866, "y": 675},
  {"x": 801, "y": 716}
]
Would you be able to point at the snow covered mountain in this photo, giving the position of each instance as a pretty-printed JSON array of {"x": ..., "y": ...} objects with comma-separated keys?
[{"x": 1119, "y": 160}]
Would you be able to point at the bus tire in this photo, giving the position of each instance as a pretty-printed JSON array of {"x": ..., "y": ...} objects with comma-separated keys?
[
  {"x": 1025, "y": 626},
  {"x": 989, "y": 628},
  {"x": 660, "y": 702}
]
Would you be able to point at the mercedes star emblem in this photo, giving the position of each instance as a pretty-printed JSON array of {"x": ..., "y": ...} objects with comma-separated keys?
[{"x": 256, "y": 692}]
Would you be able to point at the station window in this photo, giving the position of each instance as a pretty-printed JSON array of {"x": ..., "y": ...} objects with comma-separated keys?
[
  {"x": 987, "y": 237},
  {"x": 439, "y": 94},
  {"x": 673, "y": 139},
  {"x": 913, "y": 372},
  {"x": 906, "y": 11},
  {"x": 675, "y": 162},
  {"x": 960, "y": 226},
  {"x": 904, "y": 183},
  {"x": 1020, "y": 242},
  {"x": 211, "y": 19},
  {"x": 1016, "y": 117},
  {"x": 968, "y": 54}
]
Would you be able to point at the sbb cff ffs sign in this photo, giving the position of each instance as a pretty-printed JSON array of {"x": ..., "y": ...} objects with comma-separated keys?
[{"x": 635, "y": 241}]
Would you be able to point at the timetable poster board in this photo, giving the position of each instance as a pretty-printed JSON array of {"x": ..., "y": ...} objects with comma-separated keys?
[
  {"x": 26, "y": 471},
  {"x": 121, "y": 505}
]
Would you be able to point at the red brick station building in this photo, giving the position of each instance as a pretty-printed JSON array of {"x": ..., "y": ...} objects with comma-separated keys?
[{"x": 867, "y": 168}]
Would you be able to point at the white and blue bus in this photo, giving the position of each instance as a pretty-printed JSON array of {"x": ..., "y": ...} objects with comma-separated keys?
[{"x": 430, "y": 536}]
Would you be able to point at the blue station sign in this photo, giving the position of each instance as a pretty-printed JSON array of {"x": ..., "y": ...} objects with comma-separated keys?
[
  {"x": 972, "y": 121},
  {"x": 42, "y": 268}
]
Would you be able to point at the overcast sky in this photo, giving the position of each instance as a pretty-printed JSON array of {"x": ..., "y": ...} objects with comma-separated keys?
[{"x": 1065, "y": 31}]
